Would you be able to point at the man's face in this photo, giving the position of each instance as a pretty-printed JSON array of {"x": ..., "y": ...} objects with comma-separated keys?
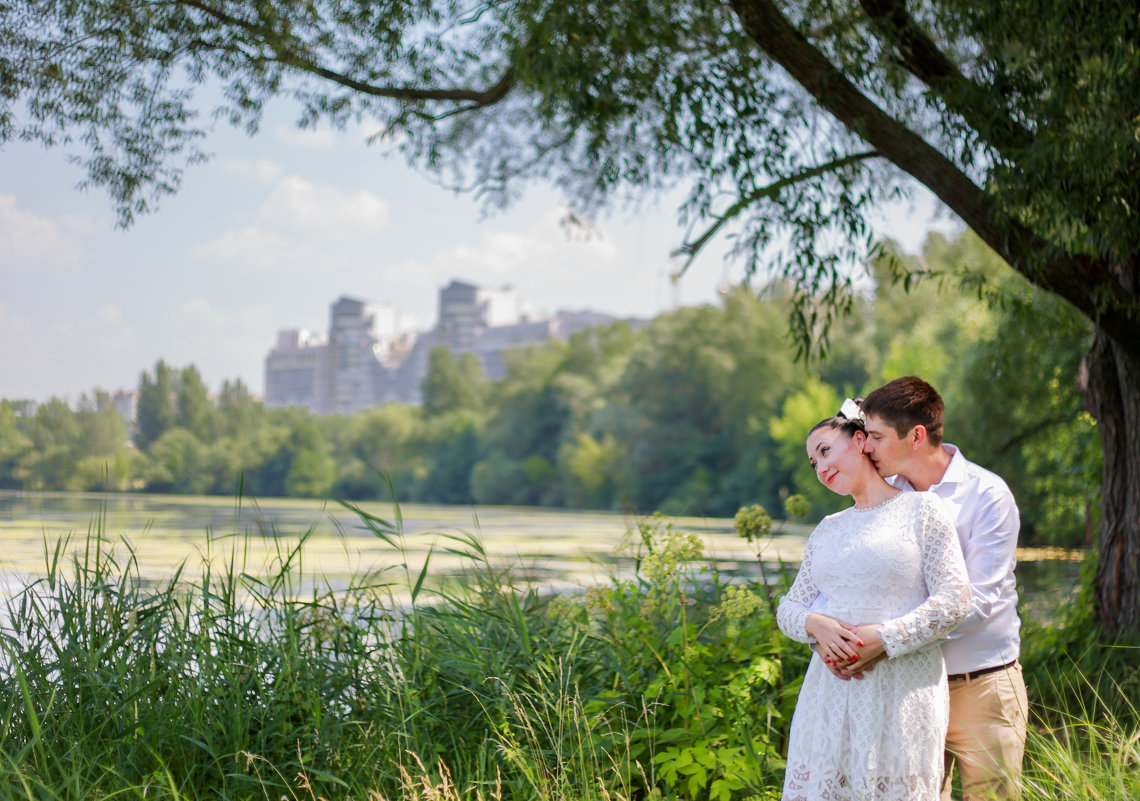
[{"x": 888, "y": 451}]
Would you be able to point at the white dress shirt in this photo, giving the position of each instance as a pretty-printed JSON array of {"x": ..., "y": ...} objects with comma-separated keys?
[{"x": 987, "y": 520}]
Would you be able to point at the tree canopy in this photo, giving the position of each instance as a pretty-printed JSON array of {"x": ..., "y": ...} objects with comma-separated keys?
[{"x": 788, "y": 121}]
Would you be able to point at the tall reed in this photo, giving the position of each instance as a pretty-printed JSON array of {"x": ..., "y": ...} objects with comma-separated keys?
[
  {"x": 238, "y": 680},
  {"x": 242, "y": 679}
]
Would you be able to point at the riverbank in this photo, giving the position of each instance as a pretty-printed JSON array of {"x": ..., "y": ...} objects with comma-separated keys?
[
  {"x": 231, "y": 684},
  {"x": 670, "y": 681}
]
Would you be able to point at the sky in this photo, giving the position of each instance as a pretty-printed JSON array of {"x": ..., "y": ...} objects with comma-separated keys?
[{"x": 274, "y": 229}]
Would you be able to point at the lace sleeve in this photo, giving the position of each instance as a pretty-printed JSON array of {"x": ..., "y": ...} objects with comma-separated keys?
[
  {"x": 948, "y": 587},
  {"x": 791, "y": 615}
]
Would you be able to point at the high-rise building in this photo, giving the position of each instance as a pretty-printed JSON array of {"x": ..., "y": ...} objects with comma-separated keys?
[
  {"x": 126, "y": 403},
  {"x": 466, "y": 311},
  {"x": 371, "y": 354},
  {"x": 294, "y": 369},
  {"x": 344, "y": 371}
]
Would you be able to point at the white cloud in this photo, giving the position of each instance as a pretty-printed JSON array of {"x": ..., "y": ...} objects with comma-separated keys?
[
  {"x": 544, "y": 245},
  {"x": 196, "y": 313},
  {"x": 299, "y": 223},
  {"x": 30, "y": 242},
  {"x": 263, "y": 171},
  {"x": 296, "y": 202},
  {"x": 553, "y": 268},
  {"x": 247, "y": 247},
  {"x": 319, "y": 138}
]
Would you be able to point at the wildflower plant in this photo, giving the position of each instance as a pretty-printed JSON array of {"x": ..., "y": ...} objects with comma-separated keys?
[{"x": 705, "y": 657}]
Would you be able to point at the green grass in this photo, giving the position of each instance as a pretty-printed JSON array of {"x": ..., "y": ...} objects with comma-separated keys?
[
  {"x": 241, "y": 675},
  {"x": 1083, "y": 760}
]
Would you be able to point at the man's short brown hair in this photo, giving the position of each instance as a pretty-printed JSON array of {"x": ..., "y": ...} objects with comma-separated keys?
[{"x": 905, "y": 403}]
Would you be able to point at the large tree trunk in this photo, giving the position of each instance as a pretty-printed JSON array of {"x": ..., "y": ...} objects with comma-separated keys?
[{"x": 1112, "y": 393}]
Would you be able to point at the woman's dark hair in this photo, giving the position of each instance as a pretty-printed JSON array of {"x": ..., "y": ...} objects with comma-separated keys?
[{"x": 847, "y": 425}]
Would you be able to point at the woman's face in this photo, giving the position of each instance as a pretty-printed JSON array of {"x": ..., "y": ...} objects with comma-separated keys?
[{"x": 838, "y": 459}]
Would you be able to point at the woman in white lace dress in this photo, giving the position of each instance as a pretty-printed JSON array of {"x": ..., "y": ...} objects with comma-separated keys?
[{"x": 887, "y": 569}]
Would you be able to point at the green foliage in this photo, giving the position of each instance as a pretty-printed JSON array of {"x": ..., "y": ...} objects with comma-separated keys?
[
  {"x": 193, "y": 409},
  {"x": 50, "y": 458},
  {"x": 453, "y": 459},
  {"x": 237, "y": 409},
  {"x": 499, "y": 479},
  {"x": 709, "y": 658},
  {"x": 753, "y": 523},
  {"x": 1075, "y": 672},
  {"x": 1045, "y": 444},
  {"x": 13, "y": 443},
  {"x": 453, "y": 383},
  {"x": 382, "y": 441},
  {"x": 1066, "y": 72},
  {"x": 1084, "y": 758},
  {"x": 593, "y": 470},
  {"x": 929, "y": 308},
  {"x": 243, "y": 679},
  {"x": 235, "y": 680},
  {"x": 155, "y": 414},
  {"x": 797, "y": 506},
  {"x": 691, "y": 402},
  {"x": 813, "y": 402},
  {"x": 311, "y": 469},
  {"x": 179, "y": 463}
]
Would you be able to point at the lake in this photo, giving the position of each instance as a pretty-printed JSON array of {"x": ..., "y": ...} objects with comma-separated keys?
[
  {"x": 551, "y": 547},
  {"x": 556, "y": 549}
]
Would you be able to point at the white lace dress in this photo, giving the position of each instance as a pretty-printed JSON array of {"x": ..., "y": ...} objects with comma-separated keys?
[{"x": 880, "y": 738}]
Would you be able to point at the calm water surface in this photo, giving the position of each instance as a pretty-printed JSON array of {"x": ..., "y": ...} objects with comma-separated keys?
[
  {"x": 553, "y": 548},
  {"x": 550, "y": 547}
]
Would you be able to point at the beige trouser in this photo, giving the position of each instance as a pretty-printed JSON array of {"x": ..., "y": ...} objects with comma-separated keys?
[{"x": 986, "y": 738}]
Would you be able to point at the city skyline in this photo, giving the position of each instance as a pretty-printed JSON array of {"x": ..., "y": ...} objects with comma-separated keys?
[
  {"x": 368, "y": 355},
  {"x": 262, "y": 237}
]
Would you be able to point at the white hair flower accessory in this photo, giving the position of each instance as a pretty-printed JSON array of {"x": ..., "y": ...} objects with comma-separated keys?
[{"x": 850, "y": 409}]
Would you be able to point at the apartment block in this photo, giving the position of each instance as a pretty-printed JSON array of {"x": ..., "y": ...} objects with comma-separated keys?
[{"x": 372, "y": 355}]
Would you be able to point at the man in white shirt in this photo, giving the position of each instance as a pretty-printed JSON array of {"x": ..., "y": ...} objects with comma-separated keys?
[{"x": 988, "y": 708}]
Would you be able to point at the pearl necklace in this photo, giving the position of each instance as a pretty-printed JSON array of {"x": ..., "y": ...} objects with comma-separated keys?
[{"x": 876, "y": 506}]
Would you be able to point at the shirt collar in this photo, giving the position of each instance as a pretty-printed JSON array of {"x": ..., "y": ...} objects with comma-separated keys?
[{"x": 956, "y": 470}]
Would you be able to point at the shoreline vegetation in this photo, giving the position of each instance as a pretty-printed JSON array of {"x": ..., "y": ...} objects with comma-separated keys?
[
  {"x": 239, "y": 677},
  {"x": 701, "y": 409},
  {"x": 562, "y": 549}
]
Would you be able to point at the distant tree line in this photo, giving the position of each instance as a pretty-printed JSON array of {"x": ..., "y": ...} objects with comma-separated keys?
[{"x": 700, "y": 412}]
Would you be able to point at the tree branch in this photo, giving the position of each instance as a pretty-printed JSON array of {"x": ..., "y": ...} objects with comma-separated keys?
[
  {"x": 1083, "y": 281},
  {"x": 918, "y": 53},
  {"x": 692, "y": 249},
  {"x": 1028, "y": 433},
  {"x": 289, "y": 57},
  {"x": 476, "y": 98}
]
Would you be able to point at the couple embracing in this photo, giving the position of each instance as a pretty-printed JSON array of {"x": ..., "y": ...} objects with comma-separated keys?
[{"x": 909, "y": 601}]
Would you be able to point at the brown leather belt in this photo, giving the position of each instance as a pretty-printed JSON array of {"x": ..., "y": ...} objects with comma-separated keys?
[{"x": 973, "y": 674}]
